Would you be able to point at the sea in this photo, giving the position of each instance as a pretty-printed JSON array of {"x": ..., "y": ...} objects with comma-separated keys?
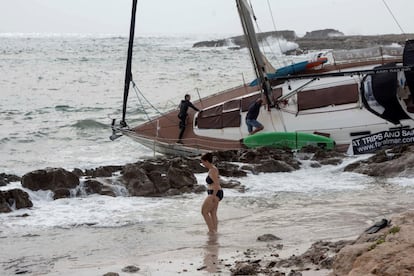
[{"x": 58, "y": 96}]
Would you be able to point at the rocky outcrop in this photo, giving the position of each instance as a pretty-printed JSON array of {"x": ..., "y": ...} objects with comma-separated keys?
[
  {"x": 7, "y": 178},
  {"x": 14, "y": 199},
  {"x": 397, "y": 161},
  {"x": 58, "y": 180},
  {"x": 322, "y": 34},
  {"x": 240, "y": 41},
  {"x": 50, "y": 179},
  {"x": 387, "y": 252},
  {"x": 315, "y": 40}
]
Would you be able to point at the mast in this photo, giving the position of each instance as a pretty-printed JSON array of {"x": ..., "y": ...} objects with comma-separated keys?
[
  {"x": 128, "y": 71},
  {"x": 246, "y": 14}
]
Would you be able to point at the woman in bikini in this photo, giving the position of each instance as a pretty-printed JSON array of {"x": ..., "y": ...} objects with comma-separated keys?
[{"x": 214, "y": 194}]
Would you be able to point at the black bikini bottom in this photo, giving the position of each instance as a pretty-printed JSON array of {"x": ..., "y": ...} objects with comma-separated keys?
[{"x": 219, "y": 194}]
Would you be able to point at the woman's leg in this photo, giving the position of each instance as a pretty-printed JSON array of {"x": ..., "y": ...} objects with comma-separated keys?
[
  {"x": 213, "y": 214},
  {"x": 206, "y": 209}
]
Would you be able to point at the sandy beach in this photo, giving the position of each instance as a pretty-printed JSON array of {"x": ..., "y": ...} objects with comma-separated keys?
[{"x": 183, "y": 246}]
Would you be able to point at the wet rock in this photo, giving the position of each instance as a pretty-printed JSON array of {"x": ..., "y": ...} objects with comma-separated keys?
[
  {"x": 160, "y": 181},
  {"x": 232, "y": 184},
  {"x": 93, "y": 186},
  {"x": 391, "y": 252},
  {"x": 268, "y": 237},
  {"x": 240, "y": 41},
  {"x": 131, "y": 269},
  {"x": 111, "y": 274},
  {"x": 15, "y": 198},
  {"x": 50, "y": 179},
  {"x": 7, "y": 178},
  {"x": 104, "y": 171},
  {"x": 136, "y": 181},
  {"x": 269, "y": 166},
  {"x": 61, "y": 193},
  {"x": 179, "y": 177},
  {"x": 242, "y": 268},
  {"x": 78, "y": 172},
  {"x": 230, "y": 170},
  {"x": 398, "y": 161}
]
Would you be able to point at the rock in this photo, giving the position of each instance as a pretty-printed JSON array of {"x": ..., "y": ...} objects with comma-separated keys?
[
  {"x": 321, "y": 34},
  {"x": 180, "y": 177},
  {"x": 136, "y": 181},
  {"x": 61, "y": 193},
  {"x": 131, "y": 269},
  {"x": 242, "y": 268},
  {"x": 78, "y": 172},
  {"x": 50, "y": 179},
  {"x": 230, "y": 170},
  {"x": 16, "y": 198},
  {"x": 160, "y": 181},
  {"x": 315, "y": 40},
  {"x": 398, "y": 161},
  {"x": 7, "y": 178},
  {"x": 391, "y": 252},
  {"x": 111, "y": 274},
  {"x": 232, "y": 184},
  {"x": 268, "y": 237},
  {"x": 273, "y": 166},
  {"x": 240, "y": 41},
  {"x": 104, "y": 171},
  {"x": 93, "y": 187}
]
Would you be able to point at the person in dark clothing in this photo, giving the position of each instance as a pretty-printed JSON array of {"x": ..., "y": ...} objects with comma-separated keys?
[
  {"x": 251, "y": 117},
  {"x": 182, "y": 115}
]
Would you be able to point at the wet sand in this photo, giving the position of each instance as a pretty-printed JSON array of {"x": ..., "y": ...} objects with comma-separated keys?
[{"x": 183, "y": 247}]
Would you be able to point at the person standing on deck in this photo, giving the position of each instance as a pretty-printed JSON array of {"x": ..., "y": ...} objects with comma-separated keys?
[
  {"x": 251, "y": 117},
  {"x": 182, "y": 115}
]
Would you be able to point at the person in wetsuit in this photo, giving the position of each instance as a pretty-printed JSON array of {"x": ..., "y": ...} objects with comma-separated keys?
[
  {"x": 251, "y": 117},
  {"x": 214, "y": 194},
  {"x": 182, "y": 115}
]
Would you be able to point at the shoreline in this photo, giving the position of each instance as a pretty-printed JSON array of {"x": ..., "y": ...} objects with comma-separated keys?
[{"x": 178, "y": 248}]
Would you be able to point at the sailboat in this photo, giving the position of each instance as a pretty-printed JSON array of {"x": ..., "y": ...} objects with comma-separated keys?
[{"x": 334, "y": 103}]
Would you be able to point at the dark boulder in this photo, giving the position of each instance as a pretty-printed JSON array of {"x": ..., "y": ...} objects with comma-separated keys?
[
  {"x": 104, "y": 171},
  {"x": 7, "y": 178},
  {"x": 230, "y": 170},
  {"x": 14, "y": 198},
  {"x": 136, "y": 181},
  {"x": 61, "y": 193},
  {"x": 270, "y": 166},
  {"x": 93, "y": 186},
  {"x": 179, "y": 177},
  {"x": 50, "y": 179},
  {"x": 398, "y": 161}
]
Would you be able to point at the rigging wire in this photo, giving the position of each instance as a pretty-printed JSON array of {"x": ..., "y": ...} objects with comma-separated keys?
[
  {"x": 395, "y": 19},
  {"x": 274, "y": 24},
  {"x": 262, "y": 42}
]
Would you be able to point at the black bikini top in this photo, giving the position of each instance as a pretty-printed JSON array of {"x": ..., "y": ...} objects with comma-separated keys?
[{"x": 209, "y": 180}]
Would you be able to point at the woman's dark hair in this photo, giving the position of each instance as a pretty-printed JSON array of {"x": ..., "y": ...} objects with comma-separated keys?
[{"x": 207, "y": 157}]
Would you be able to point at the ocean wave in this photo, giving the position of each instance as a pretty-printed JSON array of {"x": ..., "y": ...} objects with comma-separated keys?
[
  {"x": 89, "y": 123},
  {"x": 63, "y": 108}
]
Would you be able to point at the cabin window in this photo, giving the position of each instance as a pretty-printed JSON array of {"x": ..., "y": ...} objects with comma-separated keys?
[
  {"x": 337, "y": 95},
  {"x": 216, "y": 118}
]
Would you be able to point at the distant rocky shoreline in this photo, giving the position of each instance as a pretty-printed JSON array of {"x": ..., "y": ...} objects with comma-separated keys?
[{"x": 315, "y": 40}]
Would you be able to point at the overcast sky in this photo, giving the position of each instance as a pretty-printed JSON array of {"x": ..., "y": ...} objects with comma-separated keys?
[{"x": 203, "y": 16}]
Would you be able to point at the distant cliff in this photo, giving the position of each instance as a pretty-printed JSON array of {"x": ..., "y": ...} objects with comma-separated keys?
[{"x": 315, "y": 40}]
